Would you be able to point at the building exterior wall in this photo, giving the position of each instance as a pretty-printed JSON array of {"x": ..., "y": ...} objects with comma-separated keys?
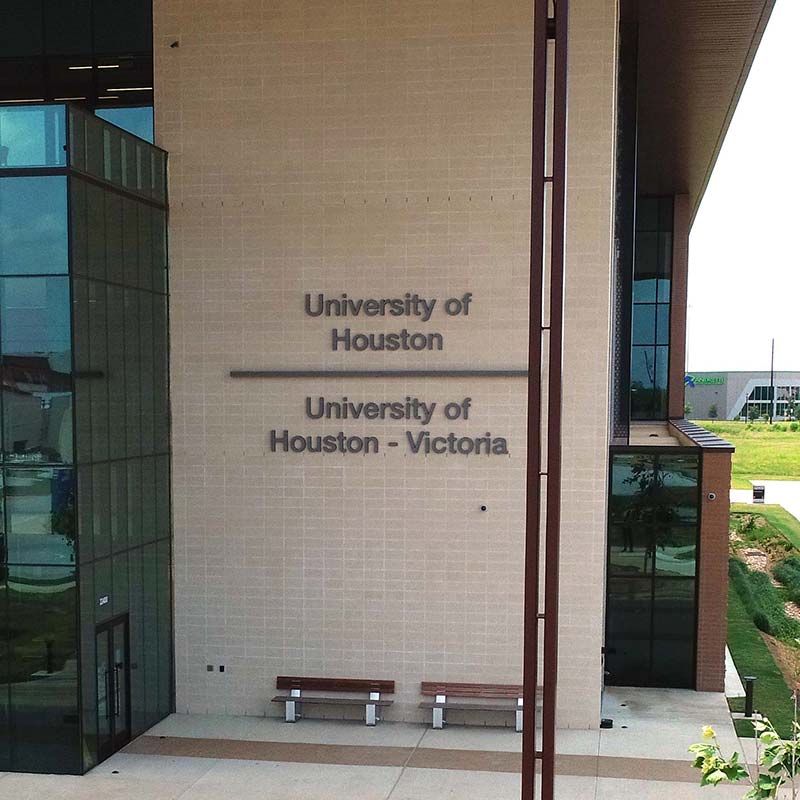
[
  {"x": 373, "y": 151},
  {"x": 713, "y": 571},
  {"x": 729, "y": 391},
  {"x": 678, "y": 305}
]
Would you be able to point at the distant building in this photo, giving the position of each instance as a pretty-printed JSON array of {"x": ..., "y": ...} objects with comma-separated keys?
[{"x": 727, "y": 395}]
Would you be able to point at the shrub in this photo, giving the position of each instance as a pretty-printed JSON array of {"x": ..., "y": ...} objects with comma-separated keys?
[
  {"x": 788, "y": 573},
  {"x": 794, "y": 426},
  {"x": 762, "y": 601}
]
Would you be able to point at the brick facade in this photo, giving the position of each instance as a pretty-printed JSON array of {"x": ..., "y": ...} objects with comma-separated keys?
[{"x": 713, "y": 572}]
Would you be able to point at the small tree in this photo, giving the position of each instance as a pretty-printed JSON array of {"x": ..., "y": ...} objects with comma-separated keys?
[
  {"x": 712, "y": 411},
  {"x": 753, "y": 413},
  {"x": 687, "y": 409}
]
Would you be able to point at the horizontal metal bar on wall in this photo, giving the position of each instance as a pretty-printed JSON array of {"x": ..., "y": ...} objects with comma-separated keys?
[{"x": 380, "y": 373}]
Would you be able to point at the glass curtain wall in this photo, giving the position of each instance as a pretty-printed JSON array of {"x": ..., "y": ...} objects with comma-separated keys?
[
  {"x": 651, "y": 307},
  {"x": 95, "y": 52},
  {"x": 652, "y": 560},
  {"x": 85, "y": 440}
]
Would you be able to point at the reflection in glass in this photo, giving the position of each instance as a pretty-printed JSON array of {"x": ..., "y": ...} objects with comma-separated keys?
[
  {"x": 33, "y": 225},
  {"x": 135, "y": 120},
  {"x": 644, "y": 323},
  {"x": 37, "y": 382},
  {"x": 33, "y": 136},
  {"x": 42, "y": 673},
  {"x": 40, "y": 516}
]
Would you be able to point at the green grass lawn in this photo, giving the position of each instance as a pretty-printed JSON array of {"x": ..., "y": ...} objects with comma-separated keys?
[
  {"x": 752, "y": 657},
  {"x": 762, "y": 451},
  {"x": 777, "y": 517}
]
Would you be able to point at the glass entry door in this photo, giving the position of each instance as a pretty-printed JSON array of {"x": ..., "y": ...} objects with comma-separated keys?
[{"x": 113, "y": 686}]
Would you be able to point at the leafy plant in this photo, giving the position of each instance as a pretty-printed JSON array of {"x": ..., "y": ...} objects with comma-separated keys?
[
  {"x": 762, "y": 601},
  {"x": 777, "y": 760}
]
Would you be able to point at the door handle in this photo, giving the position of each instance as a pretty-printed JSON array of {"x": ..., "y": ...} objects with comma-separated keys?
[{"x": 117, "y": 706}]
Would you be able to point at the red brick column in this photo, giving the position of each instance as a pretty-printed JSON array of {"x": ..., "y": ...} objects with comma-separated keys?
[
  {"x": 712, "y": 571},
  {"x": 677, "y": 322}
]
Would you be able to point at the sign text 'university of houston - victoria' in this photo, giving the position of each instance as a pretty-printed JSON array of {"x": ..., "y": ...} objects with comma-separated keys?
[{"x": 412, "y": 409}]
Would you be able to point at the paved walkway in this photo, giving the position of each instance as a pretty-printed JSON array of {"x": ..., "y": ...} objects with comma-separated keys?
[
  {"x": 782, "y": 493},
  {"x": 215, "y": 758}
]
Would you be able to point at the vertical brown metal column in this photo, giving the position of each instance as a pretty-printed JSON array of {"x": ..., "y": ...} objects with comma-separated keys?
[{"x": 545, "y": 28}]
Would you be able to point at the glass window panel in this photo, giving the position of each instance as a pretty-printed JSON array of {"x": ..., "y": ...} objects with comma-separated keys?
[
  {"x": 630, "y": 549},
  {"x": 77, "y": 140},
  {"x": 103, "y": 590},
  {"x": 665, "y": 213},
  {"x": 162, "y": 497},
  {"x": 101, "y": 510},
  {"x": 664, "y": 290},
  {"x": 643, "y": 373},
  {"x": 85, "y": 516},
  {"x": 119, "y": 505},
  {"x": 37, "y": 384},
  {"x": 148, "y": 499},
  {"x": 21, "y": 31},
  {"x": 646, "y": 213},
  {"x": 116, "y": 372},
  {"x": 33, "y": 136},
  {"x": 137, "y": 120},
  {"x": 122, "y": 26},
  {"x": 98, "y": 359},
  {"x": 5, "y": 711},
  {"x": 646, "y": 256},
  {"x": 136, "y": 632},
  {"x": 132, "y": 373},
  {"x": 147, "y": 362},
  {"x": 68, "y": 27},
  {"x": 625, "y": 487},
  {"x": 673, "y": 633},
  {"x": 79, "y": 230},
  {"x": 94, "y": 146},
  {"x": 662, "y": 327},
  {"x": 112, "y": 167},
  {"x": 134, "y": 467},
  {"x": 159, "y": 244},
  {"x": 160, "y": 375},
  {"x": 144, "y": 168},
  {"x": 88, "y": 666},
  {"x": 644, "y": 290},
  {"x": 676, "y": 550},
  {"x": 628, "y": 631},
  {"x": 113, "y": 228},
  {"x": 119, "y": 566},
  {"x": 145, "y": 249},
  {"x": 40, "y": 515},
  {"x": 644, "y": 323},
  {"x": 662, "y": 378},
  {"x": 43, "y": 668},
  {"x": 665, "y": 254},
  {"x": 159, "y": 175},
  {"x": 130, "y": 242},
  {"x": 95, "y": 217},
  {"x": 33, "y": 226},
  {"x": 150, "y": 608},
  {"x": 82, "y": 383}
]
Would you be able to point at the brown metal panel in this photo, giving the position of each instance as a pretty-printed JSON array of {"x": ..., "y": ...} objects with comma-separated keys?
[
  {"x": 534, "y": 460},
  {"x": 287, "y": 683},
  {"x": 678, "y": 298}
]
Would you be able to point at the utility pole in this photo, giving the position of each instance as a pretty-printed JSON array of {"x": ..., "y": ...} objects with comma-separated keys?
[{"x": 772, "y": 384}]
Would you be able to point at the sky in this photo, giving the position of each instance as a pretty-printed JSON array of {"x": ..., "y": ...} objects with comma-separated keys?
[{"x": 744, "y": 249}]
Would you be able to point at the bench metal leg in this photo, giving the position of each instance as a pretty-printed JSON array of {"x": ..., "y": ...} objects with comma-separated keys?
[
  {"x": 438, "y": 713},
  {"x": 292, "y": 714},
  {"x": 372, "y": 710},
  {"x": 519, "y": 715}
]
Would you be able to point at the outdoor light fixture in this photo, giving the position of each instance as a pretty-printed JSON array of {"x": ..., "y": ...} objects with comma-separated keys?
[{"x": 132, "y": 89}]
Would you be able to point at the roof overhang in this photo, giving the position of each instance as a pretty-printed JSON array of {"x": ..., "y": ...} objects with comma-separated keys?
[{"x": 694, "y": 57}]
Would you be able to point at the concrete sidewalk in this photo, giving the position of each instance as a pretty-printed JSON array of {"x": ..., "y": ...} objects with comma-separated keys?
[{"x": 643, "y": 756}]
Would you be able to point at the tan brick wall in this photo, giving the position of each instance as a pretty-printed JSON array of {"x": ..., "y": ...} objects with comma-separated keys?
[
  {"x": 372, "y": 149},
  {"x": 713, "y": 572}
]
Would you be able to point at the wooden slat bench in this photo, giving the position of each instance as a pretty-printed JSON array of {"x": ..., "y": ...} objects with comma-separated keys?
[
  {"x": 296, "y": 686},
  {"x": 477, "y": 693}
]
